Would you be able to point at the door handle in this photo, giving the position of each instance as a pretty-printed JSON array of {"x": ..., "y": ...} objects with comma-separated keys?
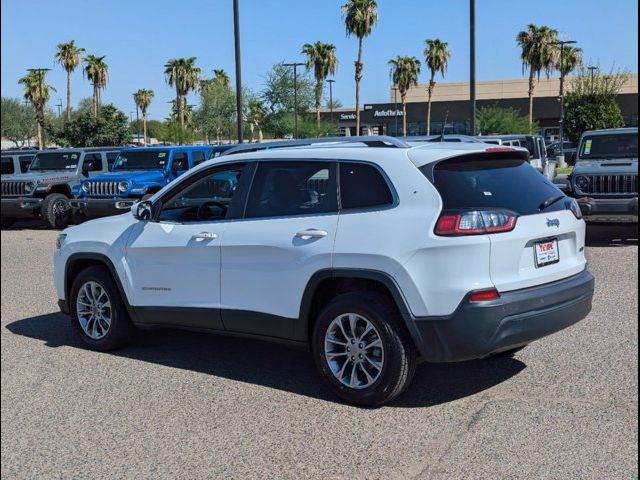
[
  {"x": 311, "y": 233},
  {"x": 204, "y": 236}
]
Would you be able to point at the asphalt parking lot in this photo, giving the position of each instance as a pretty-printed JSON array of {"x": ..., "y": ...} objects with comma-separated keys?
[{"x": 186, "y": 405}]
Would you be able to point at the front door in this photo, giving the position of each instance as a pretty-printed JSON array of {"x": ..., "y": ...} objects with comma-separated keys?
[
  {"x": 174, "y": 259},
  {"x": 286, "y": 235}
]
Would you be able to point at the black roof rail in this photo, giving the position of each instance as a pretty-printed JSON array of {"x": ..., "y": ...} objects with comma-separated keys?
[{"x": 373, "y": 141}]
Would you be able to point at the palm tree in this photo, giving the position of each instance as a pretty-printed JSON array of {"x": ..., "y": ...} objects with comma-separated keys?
[
  {"x": 538, "y": 54},
  {"x": 359, "y": 17},
  {"x": 69, "y": 56},
  {"x": 404, "y": 74},
  {"x": 38, "y": 92},
  {"x": 255, "y": 117},
  {"x": 221, "y": 77},
  {"x": 437, "y": 55},
  {"x": 182, "y": 74},
  {"x": 322, "y": 58},
  {"x": 97, "y": 71},
  {"x": 143, "y": 99},
  {"x": 571, "y": 59}
]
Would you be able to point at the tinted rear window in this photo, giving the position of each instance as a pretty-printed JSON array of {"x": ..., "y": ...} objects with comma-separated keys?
[
  {"x": 362, "y": 186},
  {"x": 508, "y": 184}
]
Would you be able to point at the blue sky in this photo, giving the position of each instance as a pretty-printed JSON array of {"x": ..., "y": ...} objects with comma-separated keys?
[{"x": 139, "y": 36}]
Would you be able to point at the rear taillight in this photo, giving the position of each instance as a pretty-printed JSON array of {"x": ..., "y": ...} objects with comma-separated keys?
[
  {"x": 484, "y": 296},
  {"x": 499, "y": 149},
  {"x": 475, "y": 222}
]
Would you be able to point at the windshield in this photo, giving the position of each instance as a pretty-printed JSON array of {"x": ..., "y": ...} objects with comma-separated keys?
[
  {"x": 54, "y": 161},
  {"x": 142, "y": 160},
  {"x": 621, "y": 145}
]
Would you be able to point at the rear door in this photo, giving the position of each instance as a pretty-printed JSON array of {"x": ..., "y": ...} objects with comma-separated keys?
[
  {"x": 286, "y": 235},
  {"x": 547, "y": 243}
]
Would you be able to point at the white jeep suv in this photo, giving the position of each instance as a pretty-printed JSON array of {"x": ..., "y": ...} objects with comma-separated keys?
[{"x": 376, "y": 258}]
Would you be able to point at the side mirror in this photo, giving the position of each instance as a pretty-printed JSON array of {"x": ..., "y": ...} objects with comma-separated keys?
[
  {"x": 142, "y": 210},
  {"x": 86, "y": 168}
]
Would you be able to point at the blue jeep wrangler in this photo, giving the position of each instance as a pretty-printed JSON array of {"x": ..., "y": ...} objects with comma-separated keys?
[{"x": 136, "y": 175}]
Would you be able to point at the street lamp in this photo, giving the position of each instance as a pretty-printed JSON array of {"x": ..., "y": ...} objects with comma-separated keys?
[
  {"x": 561, "y": 44},
  {"x": 331, "y": 82},
  {"x": 236, "y": 36},
  {"x": 472, "y": 64},
  {"x": 295, "y": 66}
]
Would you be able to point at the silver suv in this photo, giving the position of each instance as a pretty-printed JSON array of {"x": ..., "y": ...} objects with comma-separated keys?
[{"x": 45, "y": 189}]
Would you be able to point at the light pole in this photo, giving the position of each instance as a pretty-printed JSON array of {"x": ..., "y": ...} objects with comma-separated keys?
[
  {"x": 395, "y": 114},
  {"x": 331, "y": 82},
  {"x": 295, "y": 66},
  {"x": 472, "y": 64},
  {"x": 592, "y": 69},
  {"x": 236, "y": 36},
  {"x": 561, "y": 44},
  {"x": 39, "y": 106}
]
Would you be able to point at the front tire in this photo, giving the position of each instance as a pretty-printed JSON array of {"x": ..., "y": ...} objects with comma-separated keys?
[
  {"x": 56, "y": 210},
  {"x": 362, "y": 348},
  {"x": 98, "y": 311}
]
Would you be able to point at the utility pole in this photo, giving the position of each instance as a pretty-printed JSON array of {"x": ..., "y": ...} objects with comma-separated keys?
[
  {"x": 236, "y": 35},
  {"x": 331, "y": 82},
  {"x": 561, "y": 44},
  {"x": 395, "y": 114},
  {"x": 59, "y": 105},
  {"x": 472, "y": 64},
  {"x": 295, "y": 66},
  {"x": 592, "y": 69}
]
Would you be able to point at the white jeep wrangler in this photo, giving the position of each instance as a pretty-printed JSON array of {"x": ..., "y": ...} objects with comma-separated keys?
[{"x": 376, "y": 258}]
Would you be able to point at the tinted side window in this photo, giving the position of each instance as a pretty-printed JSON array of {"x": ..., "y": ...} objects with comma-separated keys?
[
  {"x": 198, "y": 157},
  {"x": 25, "y": 161},
  {"x": 7, "y": 166},
  {"x": 92, "y": 162},
  {"x": 180, "y": 162},
  {"x": 292, "y": 188},
  {"x": 206, "y": 199},
  {"x": 362, "y": 186},
  {"x": 111, "y": 158}
]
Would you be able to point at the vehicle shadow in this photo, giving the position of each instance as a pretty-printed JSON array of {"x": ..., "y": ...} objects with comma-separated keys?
[
  {"x": 611, "y": 235},
  {"x": 278, "y": 366}
]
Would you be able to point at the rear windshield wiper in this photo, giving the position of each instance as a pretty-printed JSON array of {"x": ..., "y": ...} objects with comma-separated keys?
[{"x": 550, "y": 201}]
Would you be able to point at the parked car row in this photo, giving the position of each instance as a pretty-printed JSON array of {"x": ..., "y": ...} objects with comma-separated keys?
[{"x": 65, "y": 185}]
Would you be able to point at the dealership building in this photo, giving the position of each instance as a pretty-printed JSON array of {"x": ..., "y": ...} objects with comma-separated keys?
[{"x": 450, "y": 103}]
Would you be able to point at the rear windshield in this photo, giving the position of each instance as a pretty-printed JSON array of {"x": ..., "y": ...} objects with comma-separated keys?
[
  {"x": 7, "y": 166},
  {"x": 487, "y": 183},
  {"x": 142, "y": 160},
  {"x": 55, "y": 161},
  {"x": 610, "y": 146}
]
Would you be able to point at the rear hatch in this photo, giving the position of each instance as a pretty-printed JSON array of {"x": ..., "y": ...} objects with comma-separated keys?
[{"x": 535, "y": 233}]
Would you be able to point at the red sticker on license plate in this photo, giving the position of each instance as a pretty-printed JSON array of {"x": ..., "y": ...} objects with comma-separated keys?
[{"x": 547, "y": 252}]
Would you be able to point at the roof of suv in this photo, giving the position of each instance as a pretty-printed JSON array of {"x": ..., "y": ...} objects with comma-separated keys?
[
  {"x": 605, "y": 131},
  {"x": 419, "y": 155},
  {"x": 78, "y": 149}
]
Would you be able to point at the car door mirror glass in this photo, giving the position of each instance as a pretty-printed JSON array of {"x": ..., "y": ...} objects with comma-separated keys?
[{"x": 142, "y": 210}]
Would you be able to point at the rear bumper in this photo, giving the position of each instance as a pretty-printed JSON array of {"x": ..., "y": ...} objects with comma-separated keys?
[
  {"x": 20, "y": 207},
  {"x": 609, "y": 209},
  {"x": 102, "y": 207},
  {"x": 477, "y": 330}
]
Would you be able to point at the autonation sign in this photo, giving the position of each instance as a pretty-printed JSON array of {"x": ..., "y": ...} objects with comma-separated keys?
[{"x": 387, "y": 113}]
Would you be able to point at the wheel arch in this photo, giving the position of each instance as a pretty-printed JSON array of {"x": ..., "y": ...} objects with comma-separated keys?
[
  {"x": 327, "y": 283},
  {"x": 78, "y": 262}
]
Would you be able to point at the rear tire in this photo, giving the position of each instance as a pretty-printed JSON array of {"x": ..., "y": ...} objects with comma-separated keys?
[
  {"x": 89, "y": 311},
  {"x": 7, "y": 222},
  {"x": 396, "y": 358},
  {"x": 56, "y": 211}
]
